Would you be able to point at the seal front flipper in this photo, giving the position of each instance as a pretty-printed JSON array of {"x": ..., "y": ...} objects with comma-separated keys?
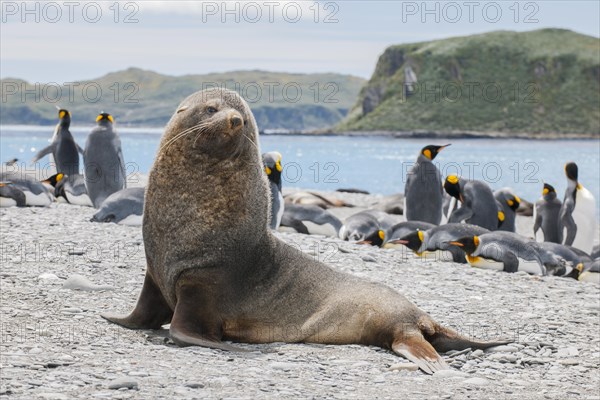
[
  {"x": 194, "y": 323},
  {"x": 150, "y": 312},
  {"x": 416, "y": 349}
]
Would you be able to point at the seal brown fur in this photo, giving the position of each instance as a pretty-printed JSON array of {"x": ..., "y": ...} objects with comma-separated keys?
[{"x": 216, "y": 272}]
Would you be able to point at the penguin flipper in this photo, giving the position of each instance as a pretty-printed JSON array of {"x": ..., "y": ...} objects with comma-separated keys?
[
  {"x": 122, "y": 167},
  {"x": 294, "y": 223},
  {"x": 79, "y": 149},
  {"x": 42, "y": 153},
  {"x": 462, "y": 214},
  {"x": 511, "y": 262},
  {"x": 568, "y": 223}
]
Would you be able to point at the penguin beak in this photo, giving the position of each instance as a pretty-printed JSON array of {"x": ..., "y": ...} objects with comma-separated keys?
[
  {"x": 459, "y": 244},
  {"x": 364, "y": 242},
  {"x": 443, "y": 147},
  {"x": 399, "y": 241}
]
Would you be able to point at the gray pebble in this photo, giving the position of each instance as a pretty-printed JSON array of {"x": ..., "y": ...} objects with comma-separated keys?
[{"x": 124, "y": 382}]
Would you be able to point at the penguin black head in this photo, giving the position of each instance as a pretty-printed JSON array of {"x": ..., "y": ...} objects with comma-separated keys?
[
  {"x": 548, "y": 189},
  {"x": 575, "y": 272},
  {"x": 467, "y": 244},
  {"x": 104, "y": 118},
  {"x": 432, "y": 151},
  {"x": 54, "y": 179},
  {"x": 413, "y": 240},
  {"x": 376, "y": 238},
  {"x": 513, "y": 201},
  {"x": 452, "y": 187},
  {"x": 273, "y": 168},
  {"x": 571, "y": 171},
  {"x": 64, "y": 116}
]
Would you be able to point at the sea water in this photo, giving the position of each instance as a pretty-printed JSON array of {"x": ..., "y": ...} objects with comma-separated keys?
[{"x": 375, "y": 164}]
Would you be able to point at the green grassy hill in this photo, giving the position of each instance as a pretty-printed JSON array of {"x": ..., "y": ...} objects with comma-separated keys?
[
  {"x": 137, "y": 97},
  {"x": 538, "y": 82}
]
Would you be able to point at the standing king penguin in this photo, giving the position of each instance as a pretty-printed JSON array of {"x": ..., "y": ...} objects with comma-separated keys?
[
  {"x": 63, "y": 147},
  {"x": 578, "y": 213},
  {"x": 423, "y": 190},
  {"x": 545, "y": 214},
  {"x": 273, "y": 168},
  {"x": 103, "y": 160}
]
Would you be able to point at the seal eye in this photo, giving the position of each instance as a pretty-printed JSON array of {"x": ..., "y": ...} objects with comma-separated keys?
[{"x": 211, "y": 110}]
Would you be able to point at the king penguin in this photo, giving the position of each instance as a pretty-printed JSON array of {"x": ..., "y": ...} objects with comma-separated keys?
[
  {"x": 509, "y": 203},
  {"x": 578, "y": 213},
  {"x": 508, "y": 252},
  {"x": 545, "y": 215},
  {"x": 273, "y": 168},
  {"x": 478, "y": 205},
  {"x": 423, "y": 191},
  {"x": 103, "y": 160},
  {"x": 63, "y": 147}
]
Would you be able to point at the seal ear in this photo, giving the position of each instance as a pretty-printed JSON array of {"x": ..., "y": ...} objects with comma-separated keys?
[{"x": 182, "y": 109}]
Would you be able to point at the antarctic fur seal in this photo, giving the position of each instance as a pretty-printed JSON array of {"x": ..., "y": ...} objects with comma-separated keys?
[{"x": 216, "y": 272}]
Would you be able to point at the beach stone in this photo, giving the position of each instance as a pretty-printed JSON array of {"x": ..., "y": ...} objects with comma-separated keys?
[
  {"x": 124, "y": 382},
  {"x": 448, "y": 373},
  {"x": 403, "y": 367},
  {"x": 502, "y": 349},
  {"x": 47, "y": 276},
  {"x": 569, "y": 361},
  {"x": 368, "y": 258},
  {"x": 194, "y": 385},
  {"x": 79, "y": 282},
  {"x": 477, "y": 381}
]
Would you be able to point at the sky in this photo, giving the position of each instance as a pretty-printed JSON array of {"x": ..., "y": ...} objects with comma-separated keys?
[{"x": 61, "y": 42}]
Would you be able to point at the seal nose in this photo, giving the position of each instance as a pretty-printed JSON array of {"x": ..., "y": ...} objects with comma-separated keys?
[{"x": 235, "y": 121}]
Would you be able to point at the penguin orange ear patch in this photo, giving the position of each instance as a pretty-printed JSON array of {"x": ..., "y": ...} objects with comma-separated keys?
[
  {"x": 427, "y": 153},
  {"x": 98, "y": 118},
  {"x": 421, "y": 236},
  {"x": 501, "y": 216},
  {"x": 545, "y": 191},
  {"x": 110, "y": 118},
  {"x": 59, "y": 177},
  {"x": 278, "y": 166},
  {"x": 381, "y": 235},
  {"x": 476, "y": 240},
  {"x": 268, "y": 170},
  {"x": 61, "y": 114}
]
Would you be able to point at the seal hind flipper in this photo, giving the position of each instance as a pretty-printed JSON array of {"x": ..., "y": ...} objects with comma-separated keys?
[
  {"x": 416, "y": 349},
  {"x": 191, "y": 326},
  {"x": 151, "y": 310},
  {"x": 445, "y": 339}
]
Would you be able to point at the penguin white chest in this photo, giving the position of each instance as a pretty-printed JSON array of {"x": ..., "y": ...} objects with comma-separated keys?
[
  {"x": 81, "y": 200},
  {"x": 584, "y": 215},
  {"x": 40, "y": 200},
  {"x": 7, "y": 202}
]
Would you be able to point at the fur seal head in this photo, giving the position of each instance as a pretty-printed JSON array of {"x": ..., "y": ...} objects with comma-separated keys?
[{"x": 214, "y": 121}]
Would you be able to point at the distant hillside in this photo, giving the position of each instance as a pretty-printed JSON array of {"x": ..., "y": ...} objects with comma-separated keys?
[
  {"x": 278, "y": 100},
  {"x": 538, "y": 82}
]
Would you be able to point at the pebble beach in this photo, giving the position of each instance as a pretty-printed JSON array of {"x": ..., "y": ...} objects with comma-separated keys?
[{"x": 60, "y": 272}]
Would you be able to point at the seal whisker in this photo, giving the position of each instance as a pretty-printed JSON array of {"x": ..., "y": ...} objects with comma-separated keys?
[{"x": 183, "y": 133}]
